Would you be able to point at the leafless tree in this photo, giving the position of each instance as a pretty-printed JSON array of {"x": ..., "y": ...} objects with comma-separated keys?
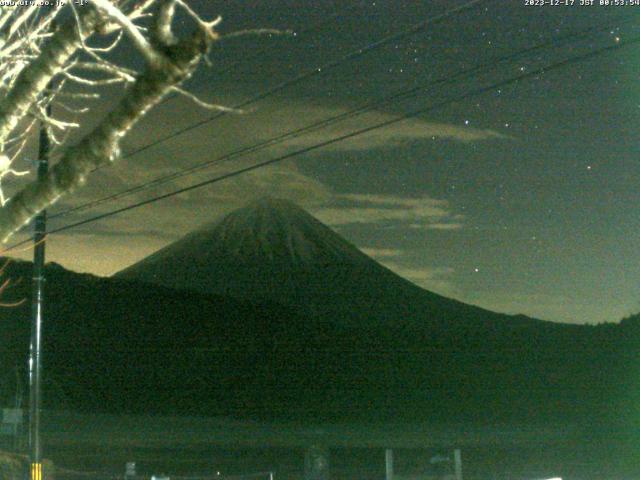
[{"x": 45, "y": 51}]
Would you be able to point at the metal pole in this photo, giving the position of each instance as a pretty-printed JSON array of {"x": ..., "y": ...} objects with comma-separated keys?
[
  {"x": 18, "y": 432},
  {"x": 388, "y": 460},
  {"x": 457, "y": 463},
  {"x": 37, "y": 304}
]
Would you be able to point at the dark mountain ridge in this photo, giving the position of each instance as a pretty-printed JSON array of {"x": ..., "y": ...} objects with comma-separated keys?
[
  {"x": 120, "y": 345},
  {"x": 128, "y": 347}
]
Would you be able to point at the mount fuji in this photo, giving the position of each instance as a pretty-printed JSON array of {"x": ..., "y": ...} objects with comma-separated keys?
[{"x": 274, "y": 250}]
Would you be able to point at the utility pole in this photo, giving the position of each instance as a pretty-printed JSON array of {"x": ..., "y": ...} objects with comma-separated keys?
[
  {"x": 388, "y": 463},
  {"x": 37, "y": 305},
  {"x": 457, "y": 463}
]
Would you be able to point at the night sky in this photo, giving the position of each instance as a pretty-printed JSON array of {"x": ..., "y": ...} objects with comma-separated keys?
[{"x": 523, "y": 199}]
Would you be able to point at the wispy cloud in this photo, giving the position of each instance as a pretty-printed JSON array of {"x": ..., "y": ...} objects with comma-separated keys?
[
  {"x": 378, "y": 253},
  {"x": 416, "y": 213},
  {"x": 277, "y": 119},
  {"x": 160, "y": 223},
  {"x": 153, "y": 226},
  {"x": 436, "y": 226},
  {"x": 214, "y": 139},
  {"x": 435, "y": 279},
  {"x": 391, "y": 135}
]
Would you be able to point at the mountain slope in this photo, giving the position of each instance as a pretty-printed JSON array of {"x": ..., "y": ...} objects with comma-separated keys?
[
  {"x": 273, "y": 249},
  {"x": 120, "y": 346},
  {"x": 314, "y": 329},
  {"x": 391, "y": 346}
]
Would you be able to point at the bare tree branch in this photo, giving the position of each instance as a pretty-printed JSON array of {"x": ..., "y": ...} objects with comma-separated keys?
[
  {"x": 34, "y": 78},
  {"x": 173, "y": 65},
  {"x": 41, "y": 66},
  {"x": 138, "y": 39}
]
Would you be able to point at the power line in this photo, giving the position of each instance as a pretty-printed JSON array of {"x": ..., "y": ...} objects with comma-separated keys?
[
  {"x": 295, "y": 133},
  {"x": 257, "y": 54},
  {"x": 415, "y": 113},
  {"x": 315, "y": 71}
]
